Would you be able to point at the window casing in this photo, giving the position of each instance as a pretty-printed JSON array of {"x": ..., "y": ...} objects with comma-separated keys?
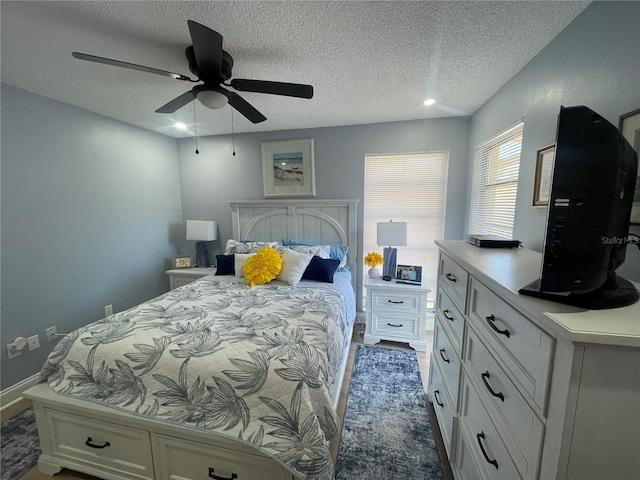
[{"x": 495, "y": 183}]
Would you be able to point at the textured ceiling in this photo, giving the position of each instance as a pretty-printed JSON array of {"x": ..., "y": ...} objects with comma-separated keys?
[{"x": 369, "y": 62}]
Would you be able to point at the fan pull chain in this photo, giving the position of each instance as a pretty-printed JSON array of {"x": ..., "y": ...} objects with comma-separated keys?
[
  {"x": 233, "y": 137},
  {"x": 195, "y": 128}
]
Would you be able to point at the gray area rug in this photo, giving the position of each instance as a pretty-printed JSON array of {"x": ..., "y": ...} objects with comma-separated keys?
[
  {"x": 20, "y": 445},
  {"x": 386, "y": 433}
]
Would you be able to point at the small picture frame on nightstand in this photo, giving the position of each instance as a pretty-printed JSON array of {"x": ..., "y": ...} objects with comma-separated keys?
[
  {"x": 411, "y": 274},
  {"x": 183, "y": 261}
]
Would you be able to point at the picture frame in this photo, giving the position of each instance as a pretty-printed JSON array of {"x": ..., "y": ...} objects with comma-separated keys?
[
  {"x": 629, "y": 125},
  {"x": 410, "y": 274},
  {"x": 545, "y": 158},
  {"x": 288, "y": 168},
  {"x": 182, "y": 261}
]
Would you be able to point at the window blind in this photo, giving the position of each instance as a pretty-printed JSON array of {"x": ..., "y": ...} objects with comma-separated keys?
[
  {"x": 407, "y": 188},
  {"x": 495, "y": 183}
]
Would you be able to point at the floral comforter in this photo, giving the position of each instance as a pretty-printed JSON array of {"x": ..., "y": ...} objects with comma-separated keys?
[{"x": 252, "y": 363}]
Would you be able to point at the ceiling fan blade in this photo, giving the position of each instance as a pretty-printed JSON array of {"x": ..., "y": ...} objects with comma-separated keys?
[
  {"x": 131, "y": 66},
  {"x": 274, "y": 88},
  {"x": 176, "y": 103},
  {"x": 244, "y": 107},
  {"x": 207, "y": 47}
]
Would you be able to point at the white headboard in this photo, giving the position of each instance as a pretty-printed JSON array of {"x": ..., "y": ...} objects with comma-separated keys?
[{"x": 327, "y": 221}]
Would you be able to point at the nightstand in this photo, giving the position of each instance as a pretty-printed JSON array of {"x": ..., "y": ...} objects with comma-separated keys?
[
  {"x": 182, "y": 276},
  {"x": 396, "y": 312}
]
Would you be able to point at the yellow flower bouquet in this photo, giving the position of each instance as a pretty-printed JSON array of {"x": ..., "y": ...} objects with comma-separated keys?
[{"x": 373, "y": 259}]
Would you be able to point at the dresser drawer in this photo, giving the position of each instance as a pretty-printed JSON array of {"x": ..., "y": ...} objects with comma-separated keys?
[
  {"x": 523, "y": 349},
  {"x": 179, "y": 459},
  {"x": 453, "y": 320},
  {"x": 519, "y": 426},
  {"x": 443, "y": 407},
  {"x": 447, "y": 360},
  {"x": 115, "y": 450},
  {"x": 396, "y": 302},
  {"x": 387, "y": 325},
  {"x": 466, "y": 466},
  {"x": 455, "y": 278},
  {"x": 485, "y": 442}
]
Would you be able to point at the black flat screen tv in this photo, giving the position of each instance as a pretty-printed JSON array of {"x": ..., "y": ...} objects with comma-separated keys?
[{"x": 588, "y": 217}]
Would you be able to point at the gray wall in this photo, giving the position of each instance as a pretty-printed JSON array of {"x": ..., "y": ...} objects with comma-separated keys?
[
  {"x": 595, "y": 62},
  {"x": 212, "y": 178},
  {"x": 90, "y": 216}
]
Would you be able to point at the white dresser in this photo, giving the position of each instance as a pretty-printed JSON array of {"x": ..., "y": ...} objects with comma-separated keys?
[
  {"x": 527, "y": 388},
  {"x": 396, "y": 312}
]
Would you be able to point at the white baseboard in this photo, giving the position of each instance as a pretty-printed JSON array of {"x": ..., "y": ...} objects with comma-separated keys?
[{"x": 10, "y": 395}]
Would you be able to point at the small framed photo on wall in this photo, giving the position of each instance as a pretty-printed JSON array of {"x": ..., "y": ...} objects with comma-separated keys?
[{"x": 630, "y": 127}]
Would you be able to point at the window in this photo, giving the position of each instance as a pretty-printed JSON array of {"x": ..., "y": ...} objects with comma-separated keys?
[
  {"x": 495, "y": 183},
  {"x": 407, "y": 188}
]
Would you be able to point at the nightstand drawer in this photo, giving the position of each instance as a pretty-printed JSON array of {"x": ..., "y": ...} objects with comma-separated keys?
[
  {"x": 394, "y": 326},
  {"x": 456, "y": 279},
  {"x": 522, "y": 348},
  {"x": 396, "y": 302}
]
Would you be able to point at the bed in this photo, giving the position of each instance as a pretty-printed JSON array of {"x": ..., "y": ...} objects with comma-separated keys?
[{"x": 215, "y": 379}]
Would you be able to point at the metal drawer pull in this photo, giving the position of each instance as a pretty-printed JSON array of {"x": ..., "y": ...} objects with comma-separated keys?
[
  {"x": 451, "y": 277},
  {"x": 485, "y": 376},
  {"x": 393, "y": 301},
  {"x": 216, "y": 477},
  {"x": 490, "y": 319},
  {"x": 486, "y": 457},
  {"x": 394, "y": 325},
  {"x": 446, "y": 315},
  {"x": 443, "y": 357},
  {"x": 435, "y": 396},
  {"x": 93, "y": 445}
]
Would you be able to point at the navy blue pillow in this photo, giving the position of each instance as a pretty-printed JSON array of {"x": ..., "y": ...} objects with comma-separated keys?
[
  {"x": 321, "y": 269},
  {"x": 226, "y": 265}
]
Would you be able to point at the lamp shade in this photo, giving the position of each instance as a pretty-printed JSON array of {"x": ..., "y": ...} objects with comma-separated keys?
[
  {"x": 392, "y": 234},
  {"x": 201, "y": 230}
]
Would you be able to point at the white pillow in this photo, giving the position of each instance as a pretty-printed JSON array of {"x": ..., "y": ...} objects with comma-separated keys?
[
  {"x": 238, "y": 262},
  {"x": 293, "y": 266}
]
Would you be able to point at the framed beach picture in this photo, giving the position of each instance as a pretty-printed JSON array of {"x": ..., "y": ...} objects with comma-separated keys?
[
  {"x": 630, "y": 127},
  {"x": 542, "y": 181},
  {"x": 288, "y": 168}
]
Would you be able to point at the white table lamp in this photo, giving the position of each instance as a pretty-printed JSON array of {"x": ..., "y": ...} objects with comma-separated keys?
[
  {"x": 391, "y": 234},
  {"x": 201, "y": 231}
]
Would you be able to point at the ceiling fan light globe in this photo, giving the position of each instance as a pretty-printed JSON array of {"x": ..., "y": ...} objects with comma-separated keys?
[{"x": 212, "y": 99}]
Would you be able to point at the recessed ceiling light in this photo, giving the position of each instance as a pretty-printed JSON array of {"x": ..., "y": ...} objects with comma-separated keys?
[
  {"x": 180, "y": 126},
  {"x": 429, "y": 101}
]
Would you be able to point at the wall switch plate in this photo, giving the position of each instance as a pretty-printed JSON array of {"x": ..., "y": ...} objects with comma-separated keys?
[
  {"x": 108, "y": 311},
  {"x": 51, "y": 333},
  {"x": 33, "y": 342}
]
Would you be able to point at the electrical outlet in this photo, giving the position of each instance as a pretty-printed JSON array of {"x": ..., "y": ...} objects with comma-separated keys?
[
  {"x": 33, "y": 342},
  {"x": 12, "y": 352},
  {"x": 51, "y": 333},
  {"x": 108, "y": 311}
]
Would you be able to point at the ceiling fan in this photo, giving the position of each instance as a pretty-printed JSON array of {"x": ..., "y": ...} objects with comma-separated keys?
[{"x": 212, "y": 66}]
